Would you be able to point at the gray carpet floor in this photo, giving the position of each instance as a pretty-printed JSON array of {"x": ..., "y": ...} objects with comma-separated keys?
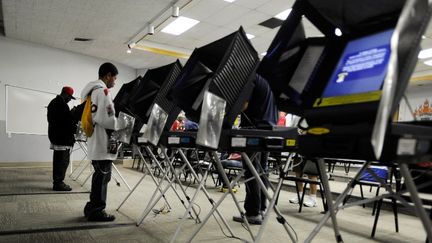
[{"x": 31, "y": 212}]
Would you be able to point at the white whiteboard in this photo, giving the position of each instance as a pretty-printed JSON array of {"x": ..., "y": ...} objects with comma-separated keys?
[{"x": 26, "y": 110}]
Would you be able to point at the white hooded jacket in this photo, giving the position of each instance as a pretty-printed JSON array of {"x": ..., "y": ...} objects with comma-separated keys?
[{"x": 103, "y": 115}]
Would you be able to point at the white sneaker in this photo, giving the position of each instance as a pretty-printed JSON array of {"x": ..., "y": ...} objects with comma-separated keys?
[
  {"x": 309, "y": 201},
  {"x": 294, "y": 200}
]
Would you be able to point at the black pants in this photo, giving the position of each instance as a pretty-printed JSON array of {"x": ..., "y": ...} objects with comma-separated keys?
[
  {"x": 256, "y": 200},
  {"x": 60, "y": 164},
  {"x": 98, "y": 194}
]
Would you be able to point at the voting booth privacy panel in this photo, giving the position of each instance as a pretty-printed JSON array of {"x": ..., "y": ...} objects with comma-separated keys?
[
  {"x": 336, "y": 82},
  {"x": 137, "y": 97},
  {"x": 224, "y": 68}
]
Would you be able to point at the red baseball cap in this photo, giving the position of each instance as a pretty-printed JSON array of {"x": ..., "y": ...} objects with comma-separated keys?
[{"x": 68, "y": 90}]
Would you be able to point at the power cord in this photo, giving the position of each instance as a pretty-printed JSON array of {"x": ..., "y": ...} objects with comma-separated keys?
[{"x": 163, "y": 210}]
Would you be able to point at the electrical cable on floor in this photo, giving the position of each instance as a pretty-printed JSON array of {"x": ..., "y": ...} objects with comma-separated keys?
[
  {"x": 223, "y": 232},
  {"x": 163, "y": 210}
]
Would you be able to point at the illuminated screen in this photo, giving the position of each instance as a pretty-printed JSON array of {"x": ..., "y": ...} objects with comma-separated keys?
[{"x": 360, "y": 72}]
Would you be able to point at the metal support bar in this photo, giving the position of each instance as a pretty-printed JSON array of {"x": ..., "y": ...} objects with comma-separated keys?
[
  {"x": 338, "y": 201},
  {"x": 142, "y": 178},
  {"x": 421, "y": 212},
  {"x": 200, "y": 187},
  {"x": 230, "y": 191},
  {"x": 252, "y": 169}
]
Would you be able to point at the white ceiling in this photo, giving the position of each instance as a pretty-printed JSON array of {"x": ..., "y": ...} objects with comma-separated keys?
[{"x": 113, "y": 23}]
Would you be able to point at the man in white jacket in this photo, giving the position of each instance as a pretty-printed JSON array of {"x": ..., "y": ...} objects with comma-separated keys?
[{"x": 104, "y": 120}]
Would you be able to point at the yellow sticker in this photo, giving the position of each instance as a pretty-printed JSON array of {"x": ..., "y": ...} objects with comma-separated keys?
[
  {"x": 318, "y": 130},
  {"x": 348, "y": 99},
  {"x": 290, "y": 142}
]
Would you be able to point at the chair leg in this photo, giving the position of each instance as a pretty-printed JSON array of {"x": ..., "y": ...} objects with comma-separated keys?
[
  {"x": 395, "y": 212},
  {"x": 133, "y": 162},
  {"x": 362, "y": 195},
  {"x": 302, "y": 197},
  {"x": 322, "y": 197},
  {"x": 375, "y": 203},
  {"x": 277, "y": 197},
  {"x": 376, "y": 218}
]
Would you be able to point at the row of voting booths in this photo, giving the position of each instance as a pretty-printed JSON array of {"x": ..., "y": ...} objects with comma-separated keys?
[{"x": 346, "y": 87}]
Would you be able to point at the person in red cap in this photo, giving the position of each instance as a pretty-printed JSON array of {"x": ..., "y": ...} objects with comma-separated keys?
[{"x": 61, "y": 130}]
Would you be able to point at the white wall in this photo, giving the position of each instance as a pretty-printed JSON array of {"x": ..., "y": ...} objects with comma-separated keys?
[{"x": 29, "y": 65}]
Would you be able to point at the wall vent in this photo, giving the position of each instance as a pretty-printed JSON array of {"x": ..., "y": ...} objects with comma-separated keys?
[{"x": 80, "y": 39}]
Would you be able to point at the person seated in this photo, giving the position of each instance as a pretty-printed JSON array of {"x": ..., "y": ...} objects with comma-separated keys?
[
  {"x": 190, "y": 125},
  {"x": 232, "y": 161},
  {"x": 299, "y": 169}
]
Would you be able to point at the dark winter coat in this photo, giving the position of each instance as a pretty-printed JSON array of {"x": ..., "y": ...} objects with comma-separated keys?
[{"x": 61, "y": 124}]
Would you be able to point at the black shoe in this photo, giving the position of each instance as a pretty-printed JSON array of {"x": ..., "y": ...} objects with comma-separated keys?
[
  {"x": 251, "y": 219},
  {"x": 101, "y": 216},
  {"x": 62, "y": 187}
]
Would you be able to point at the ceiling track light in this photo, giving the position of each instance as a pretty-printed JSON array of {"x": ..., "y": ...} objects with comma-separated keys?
[
  {"x": 150, "y": 30},
  {"x": 175, "y": 11},
  {"x": 156, "y": 21}
]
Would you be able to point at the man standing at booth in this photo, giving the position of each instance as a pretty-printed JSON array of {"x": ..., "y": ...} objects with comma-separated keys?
[
  {"x": 101, "y": 150},
  {"x": 61, "y": 130},
  {"x": 260, "y": 113}
]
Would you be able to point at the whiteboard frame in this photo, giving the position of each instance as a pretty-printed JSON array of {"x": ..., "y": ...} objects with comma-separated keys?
[{"x": 7, "y": 105}]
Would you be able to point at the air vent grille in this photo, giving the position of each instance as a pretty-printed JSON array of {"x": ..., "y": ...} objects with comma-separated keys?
[{"x": 80, "y": 39}]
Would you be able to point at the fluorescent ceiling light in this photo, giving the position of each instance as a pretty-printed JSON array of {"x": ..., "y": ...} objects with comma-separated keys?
[
  {"x": 283, "y": 15},
  {"x": 250, "y": 36},
  {"x": 429, "y": 63},
  {"x": 180, "y": 25},
  {"x": 425, "y": 53},
  {"x": 264, "y": 53},
  {"x": 230, "y": 1}
]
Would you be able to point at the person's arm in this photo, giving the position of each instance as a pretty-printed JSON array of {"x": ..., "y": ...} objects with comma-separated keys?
[{"x": 104, "y": 115}]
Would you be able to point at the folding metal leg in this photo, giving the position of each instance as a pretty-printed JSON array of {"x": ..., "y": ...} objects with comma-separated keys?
[
  {"x": 88, "y": 177},
  {"x": 142, "y": 178},
  {"x": 83, "y": 166},
  {"x": 121, "y": 177},
  {"x": 333, "y": 207},
  {"x": 409, "y": 182},
  {"x": 151, "y": 205},
  {"x": 249, "y": 164},
  {"x": 82, "y": 162},
  {"x": 329, "y": 199},
  {"x": 230, "y": 191},
  {"x": 154, "y": 200},
  {"x": 200, "y": 187},
  {"x": 273, "y": 201}
]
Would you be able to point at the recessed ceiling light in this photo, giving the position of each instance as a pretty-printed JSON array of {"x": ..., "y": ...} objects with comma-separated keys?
[
  {"x": 425, "y": 53},
  {"x": 128, "y": 51},
  {"x": 283, "y": 15},
  {"x": 250, "y": 36},
  {"x": 429, "y": 62},
  {"x": 180, "y": 25},
  {"x": 230, "y": 1},
  {"x": 338, "y": 32}
]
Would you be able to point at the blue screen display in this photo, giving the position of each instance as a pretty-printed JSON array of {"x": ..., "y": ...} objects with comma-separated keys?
[
  {"x": 362, "y": 66},
  {"x": 253, "y": 141},
  {"x": 185, "y": 139}
]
